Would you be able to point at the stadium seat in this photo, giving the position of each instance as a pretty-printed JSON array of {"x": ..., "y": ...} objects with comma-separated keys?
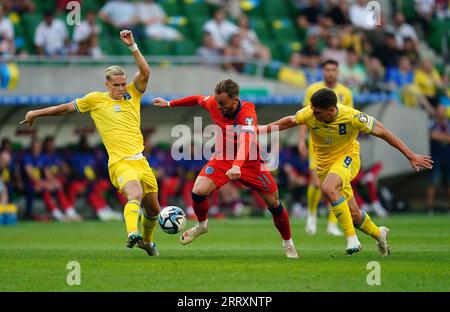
[
  {"x": 440, "y": 29},
  {"x": 106, "y": 29},
  {"x": 196, "y": 8},
  {"x": 274, "y": 48},
  {"x": 30, "y": 23},
  {"x": 105, "y": 45},
  {"x": 152, "y": 47},
  {"x": 271, "y": 71},
  {"x": 283, "y": 29},
  {"x": 275, "y": 9},
  {"x": 19, "y": 36},
  {"x": 91, "y": 5},
  {"x": 42, "y": 6},
  {"x": 252, "y": 8},
  {"x": 259, "y": 25},
  {"x": 287, "y": 48},
  {"x": 408, "y": 9},
  {"x": 119, "y": 47},
  {"x": 197, "y": 27},
  {"x": 171, "y": 7},
  {"x": 184, "y": 47},
  {"x": 181, "y": 23}
]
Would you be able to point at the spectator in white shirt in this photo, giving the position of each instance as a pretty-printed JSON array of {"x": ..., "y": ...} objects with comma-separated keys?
[
  {"x": 120, "y": 14},
  {"x": 85, "y": 36},
  {"x": 6, "y": 35},
  {"x": 208, "y": 52},
  {"x": 51, "y": 37},
  {"x": 403, "y": 30},
  {"x": 153, "y": 17},
  {"x": 220, "y": 29},
  {"x": 250, "y": 42}
]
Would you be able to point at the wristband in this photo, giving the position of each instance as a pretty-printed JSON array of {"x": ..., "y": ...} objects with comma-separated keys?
[{"x": 133, "y": 47}]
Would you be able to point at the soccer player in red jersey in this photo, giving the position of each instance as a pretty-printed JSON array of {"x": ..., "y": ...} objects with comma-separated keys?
[{"x": 234, "y": 159}]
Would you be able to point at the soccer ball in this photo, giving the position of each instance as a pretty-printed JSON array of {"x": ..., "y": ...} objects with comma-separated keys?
[{"x": 172, "y": 219}]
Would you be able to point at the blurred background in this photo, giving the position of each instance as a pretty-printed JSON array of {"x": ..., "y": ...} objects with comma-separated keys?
[{"x": 394, "y": 62}]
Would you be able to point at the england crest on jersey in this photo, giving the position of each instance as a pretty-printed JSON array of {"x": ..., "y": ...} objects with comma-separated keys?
[{"x": 249, "y": 121}]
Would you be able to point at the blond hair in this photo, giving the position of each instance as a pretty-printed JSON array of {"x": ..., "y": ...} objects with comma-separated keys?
[{"x": 114, "y": 71}]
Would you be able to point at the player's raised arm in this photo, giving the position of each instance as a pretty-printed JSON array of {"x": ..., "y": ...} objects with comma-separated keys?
[
  {"x": 279, "y": 125},
  {"x": 188, "y": 101},
  {"x": 59, "y": 110},
  {"x": 416, "y": 161},
  {"x": 142, "y": 76}
]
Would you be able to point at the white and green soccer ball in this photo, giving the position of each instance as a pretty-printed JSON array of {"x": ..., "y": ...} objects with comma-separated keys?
[{"x": 172, "y": 219}]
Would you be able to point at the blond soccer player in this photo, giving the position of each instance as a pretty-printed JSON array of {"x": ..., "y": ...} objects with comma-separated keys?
[
  {"x": 116, "y": 114},
  {"x": 334, "y": 129},
  {"x": 330, "y": 70}
]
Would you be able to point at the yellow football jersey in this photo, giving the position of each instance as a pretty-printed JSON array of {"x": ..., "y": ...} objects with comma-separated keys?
[
  {"x": 343, "y": 93},
  {"x": 117, "y": 121},
  {"x": 332, "y": 140}
]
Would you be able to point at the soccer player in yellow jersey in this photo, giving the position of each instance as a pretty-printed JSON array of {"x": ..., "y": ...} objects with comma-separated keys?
[
  {"x": 116, "y": 114},
  {"x": 334, "y": 129},
  {"x": 330, "y": 70}
]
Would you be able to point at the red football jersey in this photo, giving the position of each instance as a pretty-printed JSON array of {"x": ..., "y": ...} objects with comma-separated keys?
[{"x": 244, "y": 120}]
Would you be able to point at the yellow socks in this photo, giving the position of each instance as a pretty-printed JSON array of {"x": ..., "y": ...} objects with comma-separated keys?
[
  {"x": 331, "y": 217},
  {"x": 367, "y": 226},
  {"x": 131, "y": 215},
  {"x": 342, "y": 212},
  {"x": 313, "y": 195},
  {"x": 148, "y": 227}
]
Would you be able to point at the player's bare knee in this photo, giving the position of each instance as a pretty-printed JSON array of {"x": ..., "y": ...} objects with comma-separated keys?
[
  {"x": 330, "y": 192},
  {"x": 200, "y": 190},
  {"x": 134, "y": 194},
  {"x": 272, "y": 200}
]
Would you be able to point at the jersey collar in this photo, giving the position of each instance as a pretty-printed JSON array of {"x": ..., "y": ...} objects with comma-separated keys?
[{"x": 238, "y": 108}]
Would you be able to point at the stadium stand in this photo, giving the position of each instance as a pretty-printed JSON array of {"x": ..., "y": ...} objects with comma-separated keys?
[{"x": 178, "y": 71}]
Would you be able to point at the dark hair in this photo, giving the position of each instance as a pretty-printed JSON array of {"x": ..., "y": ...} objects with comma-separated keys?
[
  {"x": 330, "y": 61},
  {"x": 324, "y": 98},
  {"x": 48, "y": 13},
  {"x": 228, "y": 86}
]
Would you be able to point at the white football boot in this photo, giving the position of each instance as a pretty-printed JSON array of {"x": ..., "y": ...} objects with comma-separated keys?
[
  {"x": 382, "y": 242},
  {"x": 353, "y": 245},
  {"x": 289, "y": 250},
  {"x": 191, "y": 234}
]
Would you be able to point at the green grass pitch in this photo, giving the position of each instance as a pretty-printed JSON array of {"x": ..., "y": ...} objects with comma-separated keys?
[{"x": 236, "y": 255}]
